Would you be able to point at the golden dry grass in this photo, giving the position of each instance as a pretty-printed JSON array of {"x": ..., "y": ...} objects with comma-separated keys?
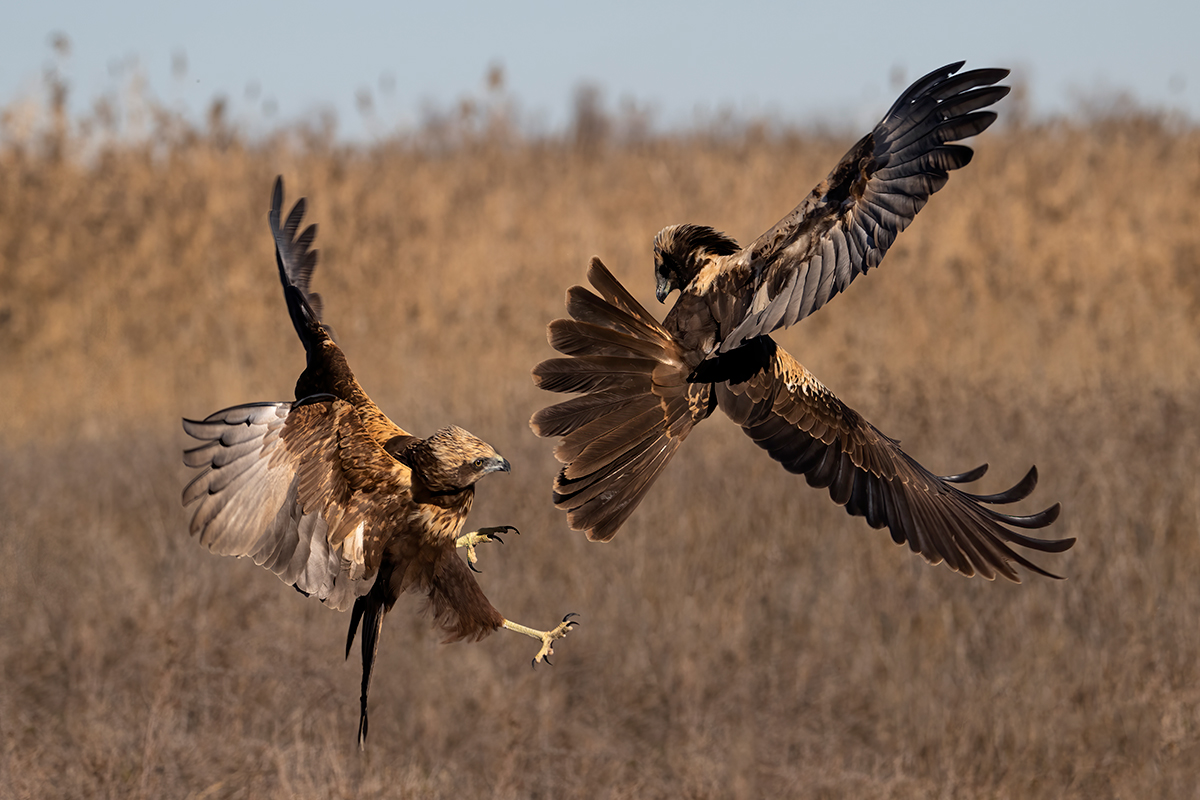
[{"x": 742, "y": 636}]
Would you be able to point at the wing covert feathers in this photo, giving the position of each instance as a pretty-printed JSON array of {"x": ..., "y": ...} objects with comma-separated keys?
[
  {"x": 802, "y": 425},
  {"x": 847, "y": 223}
]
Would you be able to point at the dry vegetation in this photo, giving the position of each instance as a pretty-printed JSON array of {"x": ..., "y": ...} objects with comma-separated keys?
[{"x": 742, "y": 636}]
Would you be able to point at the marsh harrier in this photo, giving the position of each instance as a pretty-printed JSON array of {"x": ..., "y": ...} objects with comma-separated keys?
[
  {"x": 336, "y": 499},
  {"x": 644, "y": 385}
]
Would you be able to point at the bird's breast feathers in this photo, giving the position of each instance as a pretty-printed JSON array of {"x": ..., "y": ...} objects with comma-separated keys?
[{"x": 437, "y": 524}]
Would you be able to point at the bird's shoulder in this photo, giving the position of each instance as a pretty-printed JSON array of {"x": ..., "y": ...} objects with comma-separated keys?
[{"x": 356, "y": 438}]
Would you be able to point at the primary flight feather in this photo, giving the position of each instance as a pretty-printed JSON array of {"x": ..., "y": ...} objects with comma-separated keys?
[{"x": 644, "y": 385}]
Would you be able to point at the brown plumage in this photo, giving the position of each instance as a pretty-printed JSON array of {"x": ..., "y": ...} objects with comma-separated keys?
[
  {"x": 645, "y": 385},
  {"x": 334, "y": 497}
]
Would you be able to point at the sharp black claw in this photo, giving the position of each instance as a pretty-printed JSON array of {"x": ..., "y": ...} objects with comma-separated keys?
[
  {"x": 472, "y": 566},
  {"x": 547, "y": 660},
  {"x": 568, "y": 616},
  {"x": 533, "y": 664},
  {"x": 496, "y": 538}
]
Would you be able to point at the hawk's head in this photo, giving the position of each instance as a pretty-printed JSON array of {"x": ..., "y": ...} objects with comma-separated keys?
[
  {"x": 453, "y": 459},
  {"x": 681, "y": 251}
]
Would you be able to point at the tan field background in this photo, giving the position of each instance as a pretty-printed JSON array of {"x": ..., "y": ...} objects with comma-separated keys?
[{"x": 742, "y": 636}]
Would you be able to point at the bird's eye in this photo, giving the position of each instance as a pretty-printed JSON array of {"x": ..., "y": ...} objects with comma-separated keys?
[{"x": 479, "y": 463}]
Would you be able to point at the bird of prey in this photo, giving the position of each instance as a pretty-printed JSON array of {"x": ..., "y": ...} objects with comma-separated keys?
[
  {"x": 335, "y": 498},
  {"x": 645, "y": 384}
]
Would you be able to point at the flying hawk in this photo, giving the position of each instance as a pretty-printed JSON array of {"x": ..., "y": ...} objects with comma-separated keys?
[
  {"x": 644, "y": 385},
  {"x": 335, "y": 498}
]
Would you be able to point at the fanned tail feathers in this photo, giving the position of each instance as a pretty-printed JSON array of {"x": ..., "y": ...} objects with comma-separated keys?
[{"x": 635, "y": 407}]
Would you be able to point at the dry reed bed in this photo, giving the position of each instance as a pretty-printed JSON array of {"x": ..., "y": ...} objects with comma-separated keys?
[{"x": 742, "y": 636}]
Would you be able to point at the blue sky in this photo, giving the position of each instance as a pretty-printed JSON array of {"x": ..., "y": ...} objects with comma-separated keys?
[{"x": 832, "y": 62}]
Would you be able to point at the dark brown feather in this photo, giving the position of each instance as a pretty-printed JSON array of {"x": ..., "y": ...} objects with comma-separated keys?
[
  {"x": 594, "y": 374},
  {"x": 610, "y": 495},
  {"x": 571, "y": 337},
  {"x": 613, "y": 438},
  {"x": 459, "y": 606},
  {"x": 566, "y": 417}
]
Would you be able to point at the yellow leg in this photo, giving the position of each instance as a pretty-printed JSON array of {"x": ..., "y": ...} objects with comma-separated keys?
[{"x": 547, "y": 637}]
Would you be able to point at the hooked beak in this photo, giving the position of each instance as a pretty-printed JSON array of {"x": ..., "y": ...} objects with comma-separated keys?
[
  {"x": 499, "y": 464},
  {"x": 661, "y": 288}
]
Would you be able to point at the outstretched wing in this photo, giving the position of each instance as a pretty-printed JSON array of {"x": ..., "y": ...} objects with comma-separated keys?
[
  {"x": 301, "y": 489},
  {"x": 848, "y": 222},
  {"x": 802, "y": 425}
]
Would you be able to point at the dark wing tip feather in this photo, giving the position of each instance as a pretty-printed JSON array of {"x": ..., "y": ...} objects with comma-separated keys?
[
  {"x": 1018, "y": 491},
  {"x": 970, "y": 476},
  {"x": 966, "y": 126},
  {"x": 294, "y": 258},
  {"x": 276, "y": 201},
  {"x": 1041, "y": 519},
  {"x": 923, "y": 85}
]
